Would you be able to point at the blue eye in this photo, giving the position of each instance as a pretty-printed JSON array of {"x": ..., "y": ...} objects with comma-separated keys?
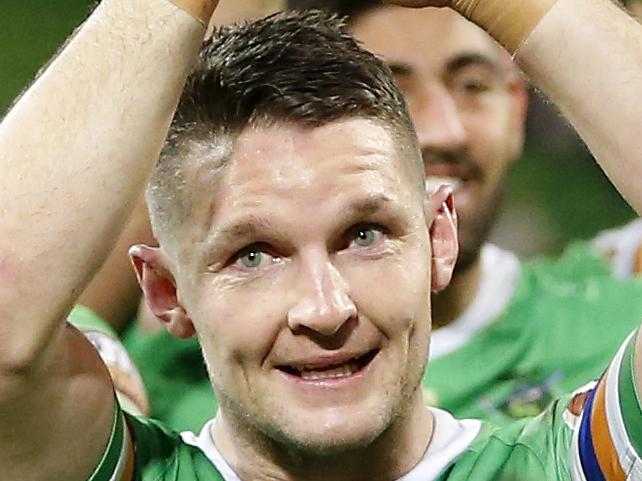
[
  {"x": 251, "y": 259},
  {"x": 366, "y": 236},
  {"x": 254, "y": 257}
]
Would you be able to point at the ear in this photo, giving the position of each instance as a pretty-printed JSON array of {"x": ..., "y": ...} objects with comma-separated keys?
[
  {"x": 159, "y": 287},
  {"x": 519, "y": 109},
  {"x": 440, "y": 213}
]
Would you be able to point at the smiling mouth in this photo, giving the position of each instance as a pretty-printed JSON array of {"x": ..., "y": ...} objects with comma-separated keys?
[
  {"x": 456, "y": 174},
  {"x": 434, "y": 182},
  {"x": 331, "y": 371}
]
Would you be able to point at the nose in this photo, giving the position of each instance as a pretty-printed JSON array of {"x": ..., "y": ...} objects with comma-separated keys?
[
  {"x": 437, "y": 119},
  {"x": 324, "y": 305}
]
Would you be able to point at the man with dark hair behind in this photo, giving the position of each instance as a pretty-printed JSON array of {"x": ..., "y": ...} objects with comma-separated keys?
[{"x": 297, "y": 241}]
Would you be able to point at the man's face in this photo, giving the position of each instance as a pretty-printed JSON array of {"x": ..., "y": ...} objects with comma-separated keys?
[
  {"x": 465, "y": 99},
  {"x": 306, "y": 275}
]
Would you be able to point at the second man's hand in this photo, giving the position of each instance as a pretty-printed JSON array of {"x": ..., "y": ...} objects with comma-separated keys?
[
  {"x": 202, "y": 10},
  {"x": 510, "y": 22}
]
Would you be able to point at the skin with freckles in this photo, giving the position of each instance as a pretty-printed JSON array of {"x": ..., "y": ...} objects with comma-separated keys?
[
  {"x": 466, "y": 100},
  {"x": 286, "y": 279}
]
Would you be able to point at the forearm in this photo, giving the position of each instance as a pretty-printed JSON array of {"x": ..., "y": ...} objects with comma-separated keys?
[
  {"x": 586, "y": 55},
  {"x": 75, "y": 152},
  {"x": 114, "y": 294}
]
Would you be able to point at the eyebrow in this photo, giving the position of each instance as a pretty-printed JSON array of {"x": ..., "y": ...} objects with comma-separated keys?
[
  {"x": 455, "y": 64},
  {"x": 247, "y": 227},
  {"x": 367, "y": 207},
  {"x": 253, "y": 228},
  {"x": 472, "y": 58}
]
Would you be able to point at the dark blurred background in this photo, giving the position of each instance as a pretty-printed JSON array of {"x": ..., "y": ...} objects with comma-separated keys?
[{"x": 556, "y": 193}]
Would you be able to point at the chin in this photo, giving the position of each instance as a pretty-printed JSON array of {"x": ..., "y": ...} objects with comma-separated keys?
[
  {"x": 333, "y": 443},
  {"x": 335, "y": 433}
]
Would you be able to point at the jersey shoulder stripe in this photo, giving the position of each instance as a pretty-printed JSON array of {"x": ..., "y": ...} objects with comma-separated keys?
[
  {"x": 117, "y": 464},
  {"x": 629, "y": 404},
  {"x": 606, "y": 445},
  {"x": 589, "y": 457}
]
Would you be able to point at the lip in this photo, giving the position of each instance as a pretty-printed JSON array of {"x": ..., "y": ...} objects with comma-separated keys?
[
  {"x": 433, "y": 183},
  {"x": 449, "y": 170},
  {"x": 329, "y": 362},
  {"x": 463, "y": 178}
]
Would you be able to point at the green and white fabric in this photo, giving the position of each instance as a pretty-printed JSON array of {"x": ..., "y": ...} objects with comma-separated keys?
[{"x": 593, "y": 435}]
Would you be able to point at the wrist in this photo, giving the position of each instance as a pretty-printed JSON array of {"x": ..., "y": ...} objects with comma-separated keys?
[
  {"x": 201, "y": 10},
  {"x": 510, "y": 22}
]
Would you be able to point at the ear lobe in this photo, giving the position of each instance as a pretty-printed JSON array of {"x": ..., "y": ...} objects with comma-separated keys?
[
  {"x": 158, "y": 285},
  {"x": 443, "y": 236}
]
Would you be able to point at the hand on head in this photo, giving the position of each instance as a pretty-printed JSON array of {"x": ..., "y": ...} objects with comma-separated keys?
[
  {"x": 509, "y": 22},
  {"x": 202, "y": 10}
]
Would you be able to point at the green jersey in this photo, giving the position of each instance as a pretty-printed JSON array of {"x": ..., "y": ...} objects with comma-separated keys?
[
  {"x": 174, "y": 374},
  {"x": 533, "y": 333},
  {"x": 594, "y": 435}
]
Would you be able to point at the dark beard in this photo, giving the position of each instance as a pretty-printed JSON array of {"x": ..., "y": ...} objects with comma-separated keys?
[{"x": 470, "y": 246}]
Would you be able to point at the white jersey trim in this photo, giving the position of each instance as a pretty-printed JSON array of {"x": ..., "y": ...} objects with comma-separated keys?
[
  {"x": 205, "y": 442},
  {"x": 500, "y": 271},
  {"x": 629, "y": 459},
  {"x": 124, "y": 454},
  {"x": 622, "y": 244},
  {"x": 451, "y": 437},
  {"x": 576, "y": 464}
]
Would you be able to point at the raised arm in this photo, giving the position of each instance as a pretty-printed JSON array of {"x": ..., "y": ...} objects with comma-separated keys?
[
  {"x": 586, "y": 55},
  {"x": 113, "y": 293},
  {"x": 75, "y": 152}
]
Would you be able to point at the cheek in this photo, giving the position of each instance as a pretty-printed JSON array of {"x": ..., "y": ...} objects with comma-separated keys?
[
  {"x": 237, "y": 325},
  {"x": 394, "y": 293},
  {"x": 492, "y": 137}
]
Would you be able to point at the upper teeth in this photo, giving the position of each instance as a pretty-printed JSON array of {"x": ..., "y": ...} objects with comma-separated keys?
[
  {"x": 344, "y": 370},
  {"x": 434, "y": 182}
]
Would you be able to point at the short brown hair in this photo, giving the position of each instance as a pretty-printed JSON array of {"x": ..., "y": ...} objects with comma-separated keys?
[
  {"x": 290, "y": 67},
  {"x": 348, "y": 9}
]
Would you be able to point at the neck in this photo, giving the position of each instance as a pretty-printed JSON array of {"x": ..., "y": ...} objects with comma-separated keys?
[
  {"x": 451, "y": 303},
  {"x": 393, "y": 454}
]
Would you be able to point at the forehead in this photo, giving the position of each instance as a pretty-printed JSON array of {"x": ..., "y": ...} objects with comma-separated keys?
[
  {"x": 281, "y": 169},
  {"x": 426, "y": 38}
]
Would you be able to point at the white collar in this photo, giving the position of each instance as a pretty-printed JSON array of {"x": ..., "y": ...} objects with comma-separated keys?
[
  {"x": 450, "y": 438},
  {"x": 500, "y": 271}
]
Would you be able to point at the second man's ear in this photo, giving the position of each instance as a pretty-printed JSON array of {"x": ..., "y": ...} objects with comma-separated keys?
[
  {"x": 159, "y": 287},
  {"x": 440, "y": 212}
]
